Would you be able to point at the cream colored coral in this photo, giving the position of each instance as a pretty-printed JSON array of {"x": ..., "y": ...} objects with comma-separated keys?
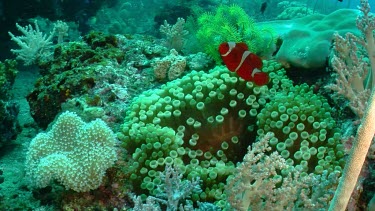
[
  {"x": 160, "y": 68},
  {"x": 33, "y": 43},
  {"x": 174, "y": 34},
  {"x": 72, "y": 152},
  {"x": 171, "y": 66}
]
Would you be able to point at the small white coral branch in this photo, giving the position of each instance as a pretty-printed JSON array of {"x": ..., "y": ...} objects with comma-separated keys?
[
  {"x": 62, "y": 29},
  {"x": 175, "y": 35},
  {"x": 175, "y": 188},
  {"x": 34, "y": 44},
  {"x": 171, "y": 192}
]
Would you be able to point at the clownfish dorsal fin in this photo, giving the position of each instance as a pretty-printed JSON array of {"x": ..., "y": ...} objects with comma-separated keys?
[
  {"x": 255, "y": 71},
  {"x": 244, "y": 56},
  {"x": 231, "y": 46}
]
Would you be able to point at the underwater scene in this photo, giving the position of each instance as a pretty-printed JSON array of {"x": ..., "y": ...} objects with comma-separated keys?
[{"x": 195, "y": 105}]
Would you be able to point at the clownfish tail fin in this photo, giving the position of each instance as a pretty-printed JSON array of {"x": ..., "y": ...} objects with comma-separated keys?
[{"x": 261, "y": 78}]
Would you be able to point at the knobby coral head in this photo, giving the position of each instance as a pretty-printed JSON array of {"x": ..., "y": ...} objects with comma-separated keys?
[{"x": 203, "y": 122}]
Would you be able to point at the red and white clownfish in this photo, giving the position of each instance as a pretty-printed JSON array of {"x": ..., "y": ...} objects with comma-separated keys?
[{"x": 246, "y": 64}]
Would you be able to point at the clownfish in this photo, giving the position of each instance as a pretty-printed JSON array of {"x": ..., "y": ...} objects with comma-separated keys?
[{"x": 247, "y": 65}]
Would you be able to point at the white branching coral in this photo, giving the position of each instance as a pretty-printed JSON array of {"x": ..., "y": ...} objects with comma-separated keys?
[
  {"x": 34, "y": 45},
  {"x": 62, "y": 29},
  {"x": 355, "y": 78},
  {"x": 175, "y": 34},
  {"x": 352, "y": 72},
  {"x": 173, "y": 192},
  {"x": 258, "y": 183},
  {"x": 175, "y": 189},
  {"x": 256, "y": 176}
]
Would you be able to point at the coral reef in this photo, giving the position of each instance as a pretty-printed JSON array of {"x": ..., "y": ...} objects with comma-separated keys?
[
  {"x": 94, "y": 70},
  {"x": 355, "y": 76},
  {"x": 125, "y": 17},
  {"x": 8, "y": 108},
  {"x": 173, "y": 66},
  {"x": 184, "y": 123}
]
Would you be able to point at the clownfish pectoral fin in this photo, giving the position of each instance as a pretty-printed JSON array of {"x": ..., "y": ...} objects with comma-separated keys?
[{"x": 255, "y": 71}]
